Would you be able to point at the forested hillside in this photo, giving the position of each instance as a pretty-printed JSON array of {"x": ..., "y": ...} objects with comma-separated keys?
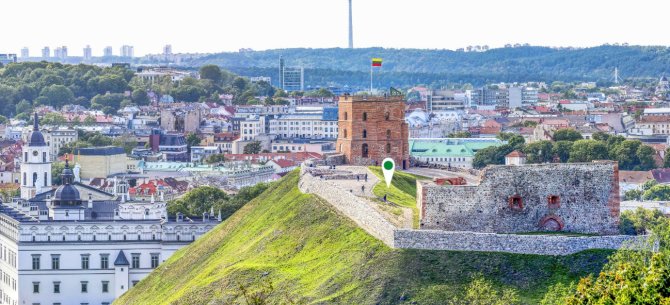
[{"x": 404, "y": 67}]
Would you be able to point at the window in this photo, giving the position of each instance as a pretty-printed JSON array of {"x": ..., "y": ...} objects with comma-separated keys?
[
  {"x": 45, "y": 179},
  {"x": 154, "y": 260},
  {"x": 36, "y": 287},
  {"x": 84, "y": 287},
  {"x": 516, "y": 203},
  {"x": 365, "y": 133},
  {"x": 387, "y": 116},
  {"x": 55, "y": 261},
  {"x": 365, "y": 116},
  {"x": 135, "y": 260},
  {"x": 364, "y": 150},
  {"x": 554, "y": 201},
  {"x": 105, "y": 286},
  {"x": 84, "y": 261},
  {"x": 388, "y": 148},
  {"x": 104, "y": 261},
  {"x": 36, "y": 262},
  {"x": 388, "y": 134},
  {"x": 44, "y": 157},
  {"x": 56, "y": 287},
  {"x": 345, "y": 133}
]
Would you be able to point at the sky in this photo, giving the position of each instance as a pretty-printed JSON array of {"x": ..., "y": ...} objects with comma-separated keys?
[{"x": 206, "y": 26}]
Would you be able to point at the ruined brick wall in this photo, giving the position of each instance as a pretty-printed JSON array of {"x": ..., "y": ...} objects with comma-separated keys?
[
  {"x": 576, "y": 197},
  {"x": 377, "y": 122}
]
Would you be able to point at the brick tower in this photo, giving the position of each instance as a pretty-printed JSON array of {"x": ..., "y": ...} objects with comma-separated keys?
[{"x": 371, "y": 129}]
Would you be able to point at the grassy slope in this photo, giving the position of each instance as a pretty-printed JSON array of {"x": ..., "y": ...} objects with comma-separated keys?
[
  {"x": 401, "y": 192},
  {"x": 315, "y": 255}
]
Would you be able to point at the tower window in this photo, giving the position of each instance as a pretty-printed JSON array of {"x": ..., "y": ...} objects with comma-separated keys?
[
  {"x": 388, "y": 134},
  {"x": 515, "y": 203},
  {"x": 554, "y": 201},
  {"x": 365, "y": 116},
  {"x": 364, "y": 151},
  {"x": 346, "y": 116},
  {"x": 365, "y": 133},
  {"x": 388, "y": 148},
  {"x": 44, "y": 157},
  {"x": 387, "y": 116}
]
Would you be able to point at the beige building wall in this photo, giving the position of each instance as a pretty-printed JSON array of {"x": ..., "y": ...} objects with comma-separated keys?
[{"x": 101, "y": 166}]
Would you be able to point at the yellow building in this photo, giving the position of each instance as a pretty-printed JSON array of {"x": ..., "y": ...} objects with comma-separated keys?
[{"x": 100, "y": 162}]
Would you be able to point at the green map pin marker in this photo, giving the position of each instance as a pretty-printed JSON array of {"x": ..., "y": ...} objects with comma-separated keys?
[{"x": 388, "y": 167}]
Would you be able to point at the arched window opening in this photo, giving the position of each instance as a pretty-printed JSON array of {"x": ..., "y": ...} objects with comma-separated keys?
[
  {"x": 364, "y": 151},
  {"x": 365, "y": 116},
  {"x": 365, "y": 133}
]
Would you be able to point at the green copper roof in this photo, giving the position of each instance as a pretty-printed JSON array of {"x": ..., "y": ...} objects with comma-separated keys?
[{"x": 449, "y": 147}]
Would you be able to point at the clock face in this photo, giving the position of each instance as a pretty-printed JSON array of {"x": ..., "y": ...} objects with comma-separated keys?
[{"x": 35, "y": 153}]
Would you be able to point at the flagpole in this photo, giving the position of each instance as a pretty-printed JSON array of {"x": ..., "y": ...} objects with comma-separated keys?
[{"x": 370, "y": 78}]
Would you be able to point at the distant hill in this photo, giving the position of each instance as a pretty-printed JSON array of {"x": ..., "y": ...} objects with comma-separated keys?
[
  {"x": 295, "y": 248},
  {"x": 405, "y": 67}
]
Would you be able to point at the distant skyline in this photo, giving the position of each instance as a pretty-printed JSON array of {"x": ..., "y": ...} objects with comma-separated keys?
[{"x": 201, "y": 26}]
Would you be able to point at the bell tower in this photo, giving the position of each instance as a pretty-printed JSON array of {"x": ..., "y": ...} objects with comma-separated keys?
[{"x": 36, "y": 165}]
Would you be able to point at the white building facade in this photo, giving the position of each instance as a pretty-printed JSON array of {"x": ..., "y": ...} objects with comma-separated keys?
[{"x": 58, "y": 248}]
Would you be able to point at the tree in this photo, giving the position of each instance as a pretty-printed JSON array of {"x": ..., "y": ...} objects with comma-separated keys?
[
  {"x": 56, "y": 96},
  {"x": 587, "y": 151},
  {"x": 459, "y": 134},
  {"x": 625, "y": 154},
  {"x": 666, "y": 158},
  {"x": 98, "y": 140},
  {"x": 659, "y": 192},
  {"x": 24, "y": 107},
  {"x": 491, "y": 155},
  {"x": 567, "y": 134},
  {"x": 56, "y": 171},
  {"x": 192, "y": 139},
  {"x": 645, "y": 154},
  {"x": 215, "y": 158},
  {"x": 111, "y": 101},
  {"x": 197, "y": 201},
  {"x": 3, "y": 119},
  {"x": 140, "y": 97},
  {"x": 211, "y": 72},
  {"x": 561, "y": 150},
  {"x": 252, "y": 148},
  {"x": 631, "y": 277},
  {"x": 632, "y": 195},
  {"x": 539, "y": 152},
  {"x": 514, "y": 140},
  {"x": 53, "y": 118},
  {"x": 127, "y": 142}
]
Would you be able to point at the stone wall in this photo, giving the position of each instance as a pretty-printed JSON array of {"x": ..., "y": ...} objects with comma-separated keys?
[
  {"x": 512, "y": 199},
  {"x": 374, "y": 223},
  {"x": 350, "y": 205},
  {"x": 511, "y": 243}
]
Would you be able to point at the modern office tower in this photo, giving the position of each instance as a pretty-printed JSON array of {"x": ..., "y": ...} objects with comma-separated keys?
[
  {"x": 127, "y": 51},
  {"x": 25, "y": 52}
]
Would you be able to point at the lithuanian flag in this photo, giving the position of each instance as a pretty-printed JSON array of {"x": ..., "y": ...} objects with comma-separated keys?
[{"x": 376, "y": 62}]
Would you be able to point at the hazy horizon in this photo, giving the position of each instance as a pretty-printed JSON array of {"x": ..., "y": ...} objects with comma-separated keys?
[{"x": 203, "y": 26}]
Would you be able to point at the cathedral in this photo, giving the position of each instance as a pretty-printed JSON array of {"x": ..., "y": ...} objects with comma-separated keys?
[{"x": 75, "y": 244}]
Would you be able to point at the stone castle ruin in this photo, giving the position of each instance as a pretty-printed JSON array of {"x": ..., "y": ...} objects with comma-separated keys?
[{"x": 572, "y": 197}]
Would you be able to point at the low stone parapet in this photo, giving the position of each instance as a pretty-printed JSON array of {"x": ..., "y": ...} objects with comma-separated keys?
[{"x": 511, "y": 243}]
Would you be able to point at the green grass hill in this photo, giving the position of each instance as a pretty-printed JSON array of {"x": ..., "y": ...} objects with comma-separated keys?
[{"x": 285, "y": 247}]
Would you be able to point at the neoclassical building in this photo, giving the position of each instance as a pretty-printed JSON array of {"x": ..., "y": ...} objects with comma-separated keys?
[{"x": 75, "y": 244}]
